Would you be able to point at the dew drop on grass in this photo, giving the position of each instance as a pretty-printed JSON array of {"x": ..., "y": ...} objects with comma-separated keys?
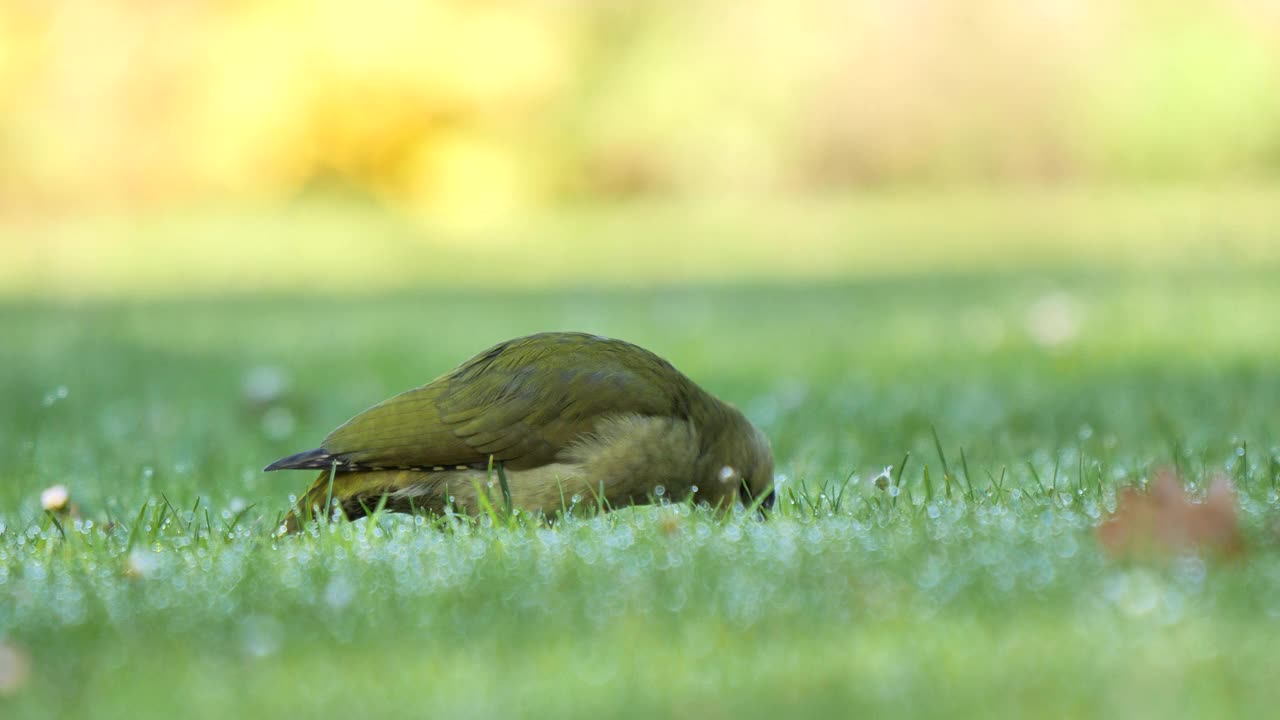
[
  {"x": 264, "y": 384},
  {"x": 1190, "y": 570},
  {"x": 931, "y": 574},
  {"x": 339, "y": 593},
  {"x": 260, "y": 636},
  {"x": 660, "y": 491},
  {"x": 278, "y": 423},
  {"x": 1067, "y": 546},
  {"x": 1053, "y": 320},
  {"x": 53, "y": 396},
  {"x": 1135, "y": 593},
  {"x": 141, "y": 563}
]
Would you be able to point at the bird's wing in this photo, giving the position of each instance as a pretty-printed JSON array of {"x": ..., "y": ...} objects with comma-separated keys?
[{"x": 521, "y": 402}]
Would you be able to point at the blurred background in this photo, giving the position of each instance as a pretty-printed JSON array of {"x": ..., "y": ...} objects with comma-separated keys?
[
  {"x": 1038, "y": 237},
  {"x": 223, "y": 145}
]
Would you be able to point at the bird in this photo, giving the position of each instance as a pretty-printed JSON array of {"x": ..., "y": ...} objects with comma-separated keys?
[{"x": 542, "y": 423}]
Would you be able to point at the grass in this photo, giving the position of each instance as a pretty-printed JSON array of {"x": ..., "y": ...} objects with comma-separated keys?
[
  {"x": 308, "y": 247},
  {"x": 1008, "y": 405}
]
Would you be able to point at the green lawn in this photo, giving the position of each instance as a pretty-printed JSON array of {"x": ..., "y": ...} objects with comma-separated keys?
[{"x": 980, "y": 591}]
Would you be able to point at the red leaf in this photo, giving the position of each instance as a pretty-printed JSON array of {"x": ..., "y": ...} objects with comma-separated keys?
[
  {"x": 1165, "y": 521},
  {"x": 15, "y": 669}
]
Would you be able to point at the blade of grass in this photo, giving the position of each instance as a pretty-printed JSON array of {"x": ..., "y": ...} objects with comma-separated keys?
[
  {"x": 235, "y": 521},
  {"x": 757, "y": 503},
  {"x": 1242, "y": 466},
  {"x": 506, "y": 489},
  {"x": 997, "y": 486},
  {"x": 328, "y": 500},
  {"x": 174, "y": 512},
  {"x": 482, "y": 498},
  {"x": 1036, "y": 476},
  {"x": 158, "y": 520},
  {"x": 54, "y": 517},
  {"x": 137, "y": 525},
  {"x": 964, "y": 465},
  {"x": 897, "y": 480},
  {"x": 937, "y": 444}
]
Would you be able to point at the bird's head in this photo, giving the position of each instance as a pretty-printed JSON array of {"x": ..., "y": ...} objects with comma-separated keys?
[{"x": 745, "y": 461}]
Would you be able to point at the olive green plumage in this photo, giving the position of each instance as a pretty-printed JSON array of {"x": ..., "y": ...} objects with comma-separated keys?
[{"x": 563, "y": 414}]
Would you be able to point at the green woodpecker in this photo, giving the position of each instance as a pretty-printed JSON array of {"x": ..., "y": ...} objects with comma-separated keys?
[{"x": 542, "y": 422}]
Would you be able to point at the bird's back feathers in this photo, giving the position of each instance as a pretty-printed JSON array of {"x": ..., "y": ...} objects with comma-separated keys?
[{"x": 521, "y": 402}]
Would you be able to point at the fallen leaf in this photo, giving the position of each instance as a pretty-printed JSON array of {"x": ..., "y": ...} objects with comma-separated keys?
[
  {"x": 15, "y": 669},
  {"x": 1165, "y": 521},
  {"x": 669, "y": 524}
]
